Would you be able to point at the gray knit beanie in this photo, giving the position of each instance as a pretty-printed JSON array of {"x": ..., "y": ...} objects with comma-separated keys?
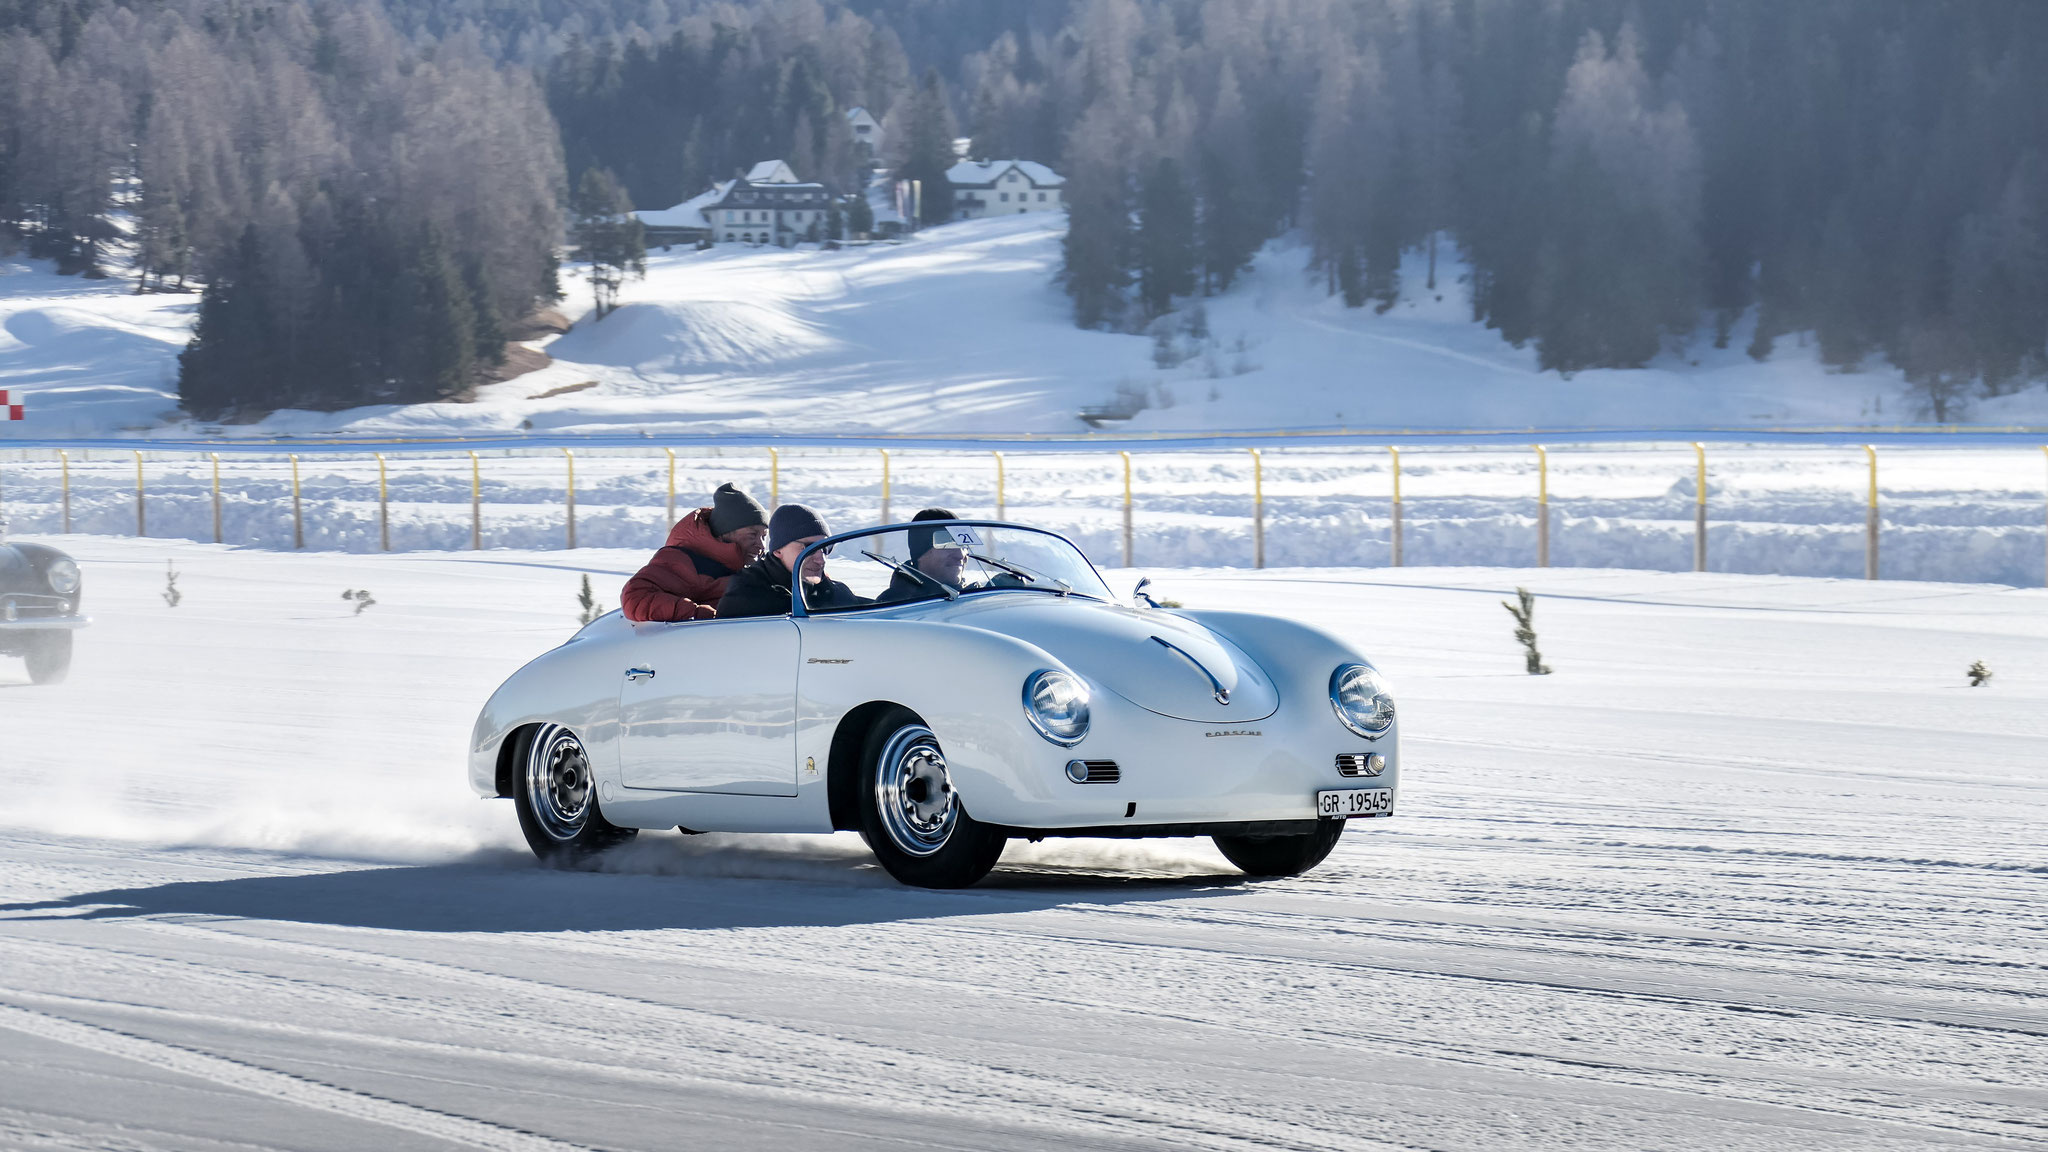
[
  {"x": 794, "y": 522},
  {"x": 732, "y": 510}
]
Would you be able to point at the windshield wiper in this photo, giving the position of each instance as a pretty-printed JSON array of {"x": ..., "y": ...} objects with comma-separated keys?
[
  {"x": 1025, "y": 574},
  {"x": 951, "y": 592}
]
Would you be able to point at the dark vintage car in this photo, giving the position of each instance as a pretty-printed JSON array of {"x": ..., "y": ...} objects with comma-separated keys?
[{"x": 40, "y": 590}]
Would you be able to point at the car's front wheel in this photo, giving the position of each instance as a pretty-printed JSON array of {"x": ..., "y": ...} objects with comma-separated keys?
[
  {"x": 910, "y": 814},
  {"x": 1281, "y": 855},
  {"x": 48, "y": 656},
  {"x": 556, "y": 794}
]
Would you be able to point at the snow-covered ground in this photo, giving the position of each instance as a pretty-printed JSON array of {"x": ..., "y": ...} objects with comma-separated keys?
[
  {"x": 962, "y": 330},
  {"x": 1974, "y": 514},
  {"x": 1753, "y": 869}
]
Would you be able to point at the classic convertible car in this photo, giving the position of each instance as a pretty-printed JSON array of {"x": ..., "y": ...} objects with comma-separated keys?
[
  {"x": 40, "y": 588},
  {"x": 982, "y": 683}
]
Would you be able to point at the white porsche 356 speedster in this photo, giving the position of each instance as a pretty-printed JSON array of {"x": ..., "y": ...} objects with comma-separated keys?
[{"x": 979, "y": 683}]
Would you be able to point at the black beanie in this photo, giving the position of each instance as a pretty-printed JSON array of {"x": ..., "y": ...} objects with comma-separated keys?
[
  {"x": 793, "y": 522},
  {"x": 920, "y": 539},
  {"x": 732, "y": 510}
]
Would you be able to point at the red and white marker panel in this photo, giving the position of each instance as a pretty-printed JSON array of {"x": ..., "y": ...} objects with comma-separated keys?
[{"x": 14, "y": 411}]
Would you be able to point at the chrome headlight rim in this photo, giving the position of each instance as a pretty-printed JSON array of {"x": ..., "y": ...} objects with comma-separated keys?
[
  {"x": 1379, "y": 697},
  {"x": 1052, "y": 730},
  {"x": 63, "y": 576}
]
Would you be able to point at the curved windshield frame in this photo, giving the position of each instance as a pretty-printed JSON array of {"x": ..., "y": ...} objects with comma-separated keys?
[{"x": 927, "y": 561}]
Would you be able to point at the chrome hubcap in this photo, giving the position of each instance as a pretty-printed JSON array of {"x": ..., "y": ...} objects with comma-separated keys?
[
  {"x": 558, "y": 783},
  {"x": 914, "y": 794}
]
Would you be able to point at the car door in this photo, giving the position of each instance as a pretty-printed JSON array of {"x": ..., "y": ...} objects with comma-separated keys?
[{"x": 710, "y": 706}]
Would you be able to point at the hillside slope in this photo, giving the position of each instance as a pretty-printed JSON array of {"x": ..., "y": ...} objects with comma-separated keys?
[{"x": 962, "y": 329}]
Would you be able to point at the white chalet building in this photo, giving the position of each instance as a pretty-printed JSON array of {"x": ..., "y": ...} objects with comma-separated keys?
[
  {"x": 1003, "y": 188},
  {"x": 768, "y": 205},
  {"x": 867, "y": 131}
]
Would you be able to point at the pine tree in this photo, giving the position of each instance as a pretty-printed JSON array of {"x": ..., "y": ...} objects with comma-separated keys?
[
  {"x": 1095, "y": 268},
  {"x": 232, "y": 358},
  {"x": 436, "y": 345},
  {"x": 1618, "y": 264},
  {"x": 1166, "y": 238},
  {"x": 928, "y": 151},
  {"x": 607, "y": 236},
  {"x": 1231, "y": 231}
]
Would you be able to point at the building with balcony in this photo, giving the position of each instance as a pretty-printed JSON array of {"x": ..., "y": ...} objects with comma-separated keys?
[{"x": 984, "y": 188}]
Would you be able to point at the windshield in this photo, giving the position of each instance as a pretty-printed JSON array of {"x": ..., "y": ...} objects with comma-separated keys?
[{"x": 945, "y": 560}]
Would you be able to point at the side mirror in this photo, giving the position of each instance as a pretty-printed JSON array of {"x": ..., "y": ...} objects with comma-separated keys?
[{"x": 1142, "y": 598}]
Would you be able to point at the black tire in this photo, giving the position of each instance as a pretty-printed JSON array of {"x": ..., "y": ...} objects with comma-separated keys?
[
  {"x": 48, "y": 656},
  {"x": 910, "y": 815},
  {"x": 556, "y": 794},
  {"x": 1281, "y": 855}
]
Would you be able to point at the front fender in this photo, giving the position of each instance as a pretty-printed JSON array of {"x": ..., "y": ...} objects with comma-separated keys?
[
  {"x": 967, "y": 684},
  {"x": 1300, "y": 658}
]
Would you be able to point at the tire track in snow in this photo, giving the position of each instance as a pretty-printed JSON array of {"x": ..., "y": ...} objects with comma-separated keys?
[
  {"x": 740, "y": 1050},
  {"x": 1725, "y": 1084},
  {"x": 282, "y": 1086},
  {"x": 1726, "y": 1081}
]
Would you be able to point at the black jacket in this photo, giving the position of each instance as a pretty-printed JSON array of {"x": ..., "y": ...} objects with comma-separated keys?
[
  {"x": 904, "y": 587},
  {"x": 762, "y": 589}
]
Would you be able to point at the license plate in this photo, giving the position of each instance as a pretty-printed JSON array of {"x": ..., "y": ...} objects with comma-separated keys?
[{"x": 1355, "y": 803}]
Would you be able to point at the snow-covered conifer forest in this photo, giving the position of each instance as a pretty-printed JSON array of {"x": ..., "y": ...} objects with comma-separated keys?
[{"x": 369, "y": 194}]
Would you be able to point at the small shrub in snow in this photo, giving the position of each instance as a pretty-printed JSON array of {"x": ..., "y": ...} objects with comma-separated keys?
[
  {"x": 588, "y": 601},
  {"x": 1165, "y": 352},
  {"x": 171, "y": 594},
  {"x": 1525, "y": 630},
  {"x": 1979, "y": 674},
  {"x": 360, "y": 597}
]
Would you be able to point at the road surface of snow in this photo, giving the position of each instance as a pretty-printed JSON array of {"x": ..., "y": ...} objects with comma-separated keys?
[{"x": 1753, "y": 869}]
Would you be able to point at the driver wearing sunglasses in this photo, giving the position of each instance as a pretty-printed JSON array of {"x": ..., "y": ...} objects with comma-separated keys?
[{"x": 763, "y": 587}]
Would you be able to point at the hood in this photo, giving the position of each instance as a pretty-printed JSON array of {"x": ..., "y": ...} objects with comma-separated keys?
[
  {"x": 692, "y": 533},
  {"x": 1127, "y": 651}
]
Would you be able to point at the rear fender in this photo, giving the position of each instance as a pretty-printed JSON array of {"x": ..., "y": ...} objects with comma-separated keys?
[{"x": 575, "y": 685}]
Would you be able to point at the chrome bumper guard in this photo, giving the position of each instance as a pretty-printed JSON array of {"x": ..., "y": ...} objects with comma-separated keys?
[{"x": 44, "y": 623}]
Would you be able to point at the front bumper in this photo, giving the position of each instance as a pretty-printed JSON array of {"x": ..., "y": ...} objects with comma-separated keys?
[
  {"x": 43, "y": 623},
  {"x": 1172, "y": 774}
]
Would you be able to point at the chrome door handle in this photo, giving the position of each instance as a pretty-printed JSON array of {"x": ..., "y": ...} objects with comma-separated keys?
[{"x": 639, "y": 673}]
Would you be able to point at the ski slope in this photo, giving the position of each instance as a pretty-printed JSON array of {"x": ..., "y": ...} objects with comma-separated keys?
[
  {"x": 1753, "y": 869},
  {"x": 961, "y": 330}
]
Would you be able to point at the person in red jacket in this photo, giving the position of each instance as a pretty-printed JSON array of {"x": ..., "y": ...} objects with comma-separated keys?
[{"x": 686, "y": 579}]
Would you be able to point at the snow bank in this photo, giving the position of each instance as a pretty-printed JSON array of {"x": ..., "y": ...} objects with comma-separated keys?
[{"x": 1960, "y": 515}]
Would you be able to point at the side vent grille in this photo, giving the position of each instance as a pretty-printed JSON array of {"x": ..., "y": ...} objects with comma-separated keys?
[
  {"x": 1093, "y": 771},
  {"x": 1360, "y": 763}
]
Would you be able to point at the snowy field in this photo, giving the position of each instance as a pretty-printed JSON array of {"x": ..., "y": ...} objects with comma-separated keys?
[
  {"x": 1753, "y": 870},
  {"x": 1958, "y": 514},
  {"x": 962, "y": 330}
]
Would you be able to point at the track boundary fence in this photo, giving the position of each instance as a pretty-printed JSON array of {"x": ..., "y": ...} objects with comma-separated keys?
[{"x": 1965, "y": 512}]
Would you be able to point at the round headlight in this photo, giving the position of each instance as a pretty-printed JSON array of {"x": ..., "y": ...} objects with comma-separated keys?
[
  {"x": 1057, "y": 705},
  {"x": 1361, "y": 700},
  {"x": 62, "y": 575}
]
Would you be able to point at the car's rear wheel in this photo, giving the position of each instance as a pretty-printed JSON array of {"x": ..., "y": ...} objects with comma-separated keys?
[
  {"x": 910, "y": 813},
  {"x": 1281, "y": 855},
  {"x": 556, "y": 794},
  {"x": 48, "y": 656}
]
